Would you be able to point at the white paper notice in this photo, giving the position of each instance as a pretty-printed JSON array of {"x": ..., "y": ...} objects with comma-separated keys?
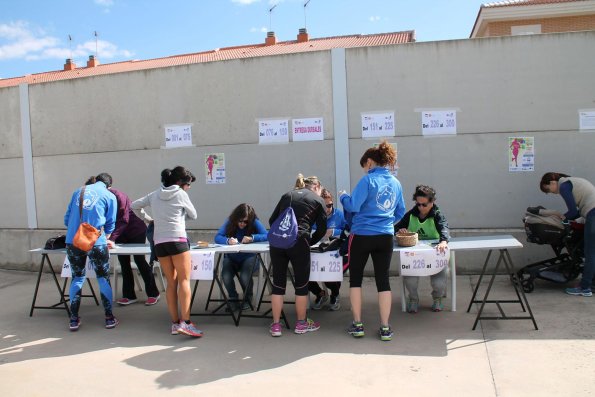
[
  {"x": 439, "y": 122},
  {"x": 67, "y": 271},
  {"x": 424, "y": 262},
  {"x": 326, "y": 266},
  {"x": 308, "y": 129},
  {"x": 273, "y": 131},
  {"x": 178, "y": 135},
  {"x": 521, "y": 154},
  {"x": 202, "y": 265},
  {"x": 378, "y": 125},
  {"x": 215, "y": 168},
  {"x": 587, "y": 120}
]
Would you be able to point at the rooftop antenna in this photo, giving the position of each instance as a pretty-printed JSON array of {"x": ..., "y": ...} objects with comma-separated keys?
[
  {"x": 271, "y": 17},
  {"x": 70, "y": 45},
  {"x": 305, "y": 4},
  {"x": 96, "y": 37}
]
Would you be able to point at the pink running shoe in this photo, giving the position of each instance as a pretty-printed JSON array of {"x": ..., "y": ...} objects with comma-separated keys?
[
  {"x": 275, "y": 329},
  {"x": 307, "y": 325}
]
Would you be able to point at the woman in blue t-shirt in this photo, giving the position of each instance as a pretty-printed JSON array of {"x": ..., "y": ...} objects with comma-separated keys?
[{"x": 242, "y": 227}]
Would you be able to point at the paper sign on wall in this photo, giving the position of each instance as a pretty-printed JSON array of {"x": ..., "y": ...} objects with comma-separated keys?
[
  {"x": 202, "y": 265},
  {"x": 378, "y": 125},
  {"x": 587, "y": 120},
  {"x": 215, "y": 168},
  {"x": 521, "y": 154},
  {"x": 439, "y": 122},
  {"x": 178, "y": 135},
  {"x": 326, "y": 266},
  {"x": 273, "y": 131},
  {"x": 67, "y": 271},
  {"x": 425, "y": 262},
  {"x": 307, "y": 129}
]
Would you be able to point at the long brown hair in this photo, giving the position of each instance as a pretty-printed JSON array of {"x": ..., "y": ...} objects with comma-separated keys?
[
  {"x": 548, "y": 177},
  {"x": 242, "y": 211}
]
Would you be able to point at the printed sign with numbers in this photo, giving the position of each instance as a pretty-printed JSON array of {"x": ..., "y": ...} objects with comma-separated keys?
[
  {"x": 424, "y": 262},
  {"x": 326, "y": 266},
  {"x": 439, "y": 122},
  {"x": 273, "y": 131},
  {"x": 202, "y": 265},
  {"x": 67, "y": 272},
  {"x": 378, "y": 125},
  {"x": 178, "y": 135}
]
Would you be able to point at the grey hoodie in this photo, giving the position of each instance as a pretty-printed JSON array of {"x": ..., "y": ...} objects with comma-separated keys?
[{"x": 170, "y": 206}]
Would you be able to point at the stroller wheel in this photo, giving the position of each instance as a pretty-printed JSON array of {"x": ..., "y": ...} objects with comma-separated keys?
[{"x": 528, "y": 286}]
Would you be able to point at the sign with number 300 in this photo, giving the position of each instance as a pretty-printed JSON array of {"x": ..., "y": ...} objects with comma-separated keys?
[{"x": 423, "y": 262}]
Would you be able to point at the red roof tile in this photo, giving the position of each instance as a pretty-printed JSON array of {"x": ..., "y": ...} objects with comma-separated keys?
[
  {"x": 510, "y": 3},
  {"x": 247, "y": 51}
]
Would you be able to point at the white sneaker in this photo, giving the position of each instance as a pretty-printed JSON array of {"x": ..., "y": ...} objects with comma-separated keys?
[
  {"x": 336, "y": 305},
  {"x": 175, "y": 328}
]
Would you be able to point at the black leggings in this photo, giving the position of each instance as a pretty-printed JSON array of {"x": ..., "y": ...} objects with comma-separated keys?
[
  {"x": 299, "y": 255},
  {"x": 360, "y": 248}
]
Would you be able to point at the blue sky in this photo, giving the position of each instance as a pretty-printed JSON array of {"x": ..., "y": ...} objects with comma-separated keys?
[{"x": 34, "y": 33}]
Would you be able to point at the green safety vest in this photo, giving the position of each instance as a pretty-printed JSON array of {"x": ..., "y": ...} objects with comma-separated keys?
[{"x": 425, "y": 230}]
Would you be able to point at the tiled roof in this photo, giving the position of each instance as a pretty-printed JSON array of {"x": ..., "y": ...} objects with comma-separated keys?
[
  {"x": 524, "y": 3},
  {"x": 247, "y": 51}
]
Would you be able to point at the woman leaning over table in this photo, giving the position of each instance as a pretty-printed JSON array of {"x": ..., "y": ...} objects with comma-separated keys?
[
  {"x": 579, "y": 196},
  {"x": 241, "y": 227},
  {"x": 308, "y": 207},
  {"x": 429, "y": 223},
  {"x": 376, "y": 203},
  {"x": 170, "y": 206}
]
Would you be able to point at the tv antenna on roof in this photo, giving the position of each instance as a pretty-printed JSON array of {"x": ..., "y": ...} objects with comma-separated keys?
[
  {"x": 96, "y": 38},
  {"x": 305, "y": 4},
  {"x": 271, "y": 17},
  {"x": 70, "y": 45}
]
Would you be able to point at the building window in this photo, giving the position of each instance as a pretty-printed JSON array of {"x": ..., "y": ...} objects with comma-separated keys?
[{"x": 525, "y": 29}]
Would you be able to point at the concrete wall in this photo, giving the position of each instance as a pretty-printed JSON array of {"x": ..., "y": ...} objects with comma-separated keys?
[{"x": 506, "y": 86}]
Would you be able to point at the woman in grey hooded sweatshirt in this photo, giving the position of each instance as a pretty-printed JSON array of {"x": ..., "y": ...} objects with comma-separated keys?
[{"x": 170, "y": 206}]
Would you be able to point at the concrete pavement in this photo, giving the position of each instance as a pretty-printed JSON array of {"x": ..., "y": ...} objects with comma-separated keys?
[{"x": 431, "y": 353}]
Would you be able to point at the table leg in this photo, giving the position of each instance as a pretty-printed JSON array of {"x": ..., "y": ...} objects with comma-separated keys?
[
  {"x": 45, "y": 258},
  {"x": 453, "y": 281},
  {"x": 483, "y": 270}
]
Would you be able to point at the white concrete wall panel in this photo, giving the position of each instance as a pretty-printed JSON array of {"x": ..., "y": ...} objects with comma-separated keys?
[
  {"x": 10, "y": 124},
  {"x": 13, "y": 211}
]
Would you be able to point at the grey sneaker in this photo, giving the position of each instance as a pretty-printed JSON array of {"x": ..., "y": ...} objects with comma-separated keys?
[
  {"x": 412, "y": 306},
  {"x": 335, "y": 304},
  {"x": 320, "y": 301},
  {"x": 578, "y": 291}
]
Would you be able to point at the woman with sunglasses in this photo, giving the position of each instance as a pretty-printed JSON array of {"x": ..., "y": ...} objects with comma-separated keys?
[
  {"x": 579, "y": 196},
  {"x": 426, "y": 219},
  {"x": 335, "y": 223},
  {"x": 170, "y": 207},
  {"x": 241, "y": 227},
  {"x": 376, "y": 204}
]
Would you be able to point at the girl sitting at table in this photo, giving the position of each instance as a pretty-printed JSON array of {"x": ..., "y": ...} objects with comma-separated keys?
[
  {"x": 241, "y": 227},
  {"x": 425, "y": 219}
]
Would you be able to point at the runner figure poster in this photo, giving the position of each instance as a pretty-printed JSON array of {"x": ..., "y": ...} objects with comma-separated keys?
[
  {"x": 215, "y": 168},
  {"x": 521, "y": 154}
]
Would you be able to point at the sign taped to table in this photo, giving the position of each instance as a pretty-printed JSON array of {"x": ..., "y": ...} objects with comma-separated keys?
[
  {"x": 424, "y": 262},
  {"x": 202, "y": 265},
  {"x": 67, "y": 271},
  {"x": 326, "y": 266}
]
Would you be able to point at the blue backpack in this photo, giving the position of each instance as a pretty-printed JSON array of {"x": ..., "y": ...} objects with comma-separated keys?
[{"x": 284, "y": 230}]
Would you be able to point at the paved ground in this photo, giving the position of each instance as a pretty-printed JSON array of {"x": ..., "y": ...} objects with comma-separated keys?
[{"x": 432, "y": 353}]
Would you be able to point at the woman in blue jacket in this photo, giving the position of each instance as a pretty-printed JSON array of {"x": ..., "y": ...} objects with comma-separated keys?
[
  {"x": 376, "y": 204},
  {"x": 242, "y": 227}
]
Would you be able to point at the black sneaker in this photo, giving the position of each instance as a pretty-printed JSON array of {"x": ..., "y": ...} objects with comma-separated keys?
[{"x": 75, "y": 323}]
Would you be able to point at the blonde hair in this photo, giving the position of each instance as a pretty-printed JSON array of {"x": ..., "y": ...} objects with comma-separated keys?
[{"x": 306, "y": 182}]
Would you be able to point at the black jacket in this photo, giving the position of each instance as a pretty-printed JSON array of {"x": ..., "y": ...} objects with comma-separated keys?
[{"x": 308, "y": 208}]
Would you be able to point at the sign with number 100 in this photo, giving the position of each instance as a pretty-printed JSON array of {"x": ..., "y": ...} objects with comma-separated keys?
[
  {"x": 326, "y": 266},
  {"x": 202, "y": 265}
]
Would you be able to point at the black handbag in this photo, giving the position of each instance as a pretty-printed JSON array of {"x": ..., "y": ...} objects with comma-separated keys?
[{"x": 56, "y": 243}]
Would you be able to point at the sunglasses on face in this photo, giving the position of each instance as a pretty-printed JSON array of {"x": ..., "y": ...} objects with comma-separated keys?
[
  {"x": 245, "y": 221},
  {"x": 424, "y": 205},
  {"x": 329, "y": 205}
]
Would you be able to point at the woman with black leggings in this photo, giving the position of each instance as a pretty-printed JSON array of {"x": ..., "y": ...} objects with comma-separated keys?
[
  {"x": 309, "y": 209},
  {"x": 376, "y": 203}
]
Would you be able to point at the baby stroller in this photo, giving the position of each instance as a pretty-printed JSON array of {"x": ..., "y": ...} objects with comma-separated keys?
[{"x": 542, "y": 227}]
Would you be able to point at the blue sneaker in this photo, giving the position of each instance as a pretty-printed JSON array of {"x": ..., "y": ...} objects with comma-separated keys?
[
  {"x": 356, "y": 330},
  {"x": 578, "y": 291},
  {"x": 386, "y": 333},
  {"x": 75, "y": 323},
  {"x": 111, "y": 322}
]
